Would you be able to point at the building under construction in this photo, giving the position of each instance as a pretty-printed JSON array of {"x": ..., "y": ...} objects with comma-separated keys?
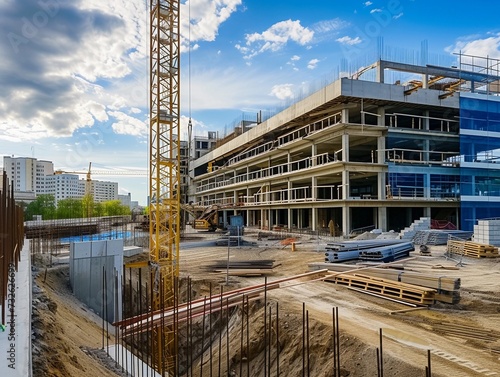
[{"x": 364, "y": 154}]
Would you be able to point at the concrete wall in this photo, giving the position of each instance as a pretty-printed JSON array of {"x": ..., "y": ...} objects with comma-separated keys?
[{"x": 89, "y": 262}]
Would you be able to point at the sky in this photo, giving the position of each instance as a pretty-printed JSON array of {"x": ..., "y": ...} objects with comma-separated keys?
[{"x": 74, "y": 73}]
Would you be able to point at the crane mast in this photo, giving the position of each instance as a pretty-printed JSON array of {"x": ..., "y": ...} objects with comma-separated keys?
[{"x": 165, "y": 167}]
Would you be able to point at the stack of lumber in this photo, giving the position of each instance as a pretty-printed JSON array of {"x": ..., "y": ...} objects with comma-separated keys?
[
  {"x": 408, "y": 293},
  {"x": 472, "y": 249},
  {"x": 257, "y": 267},
  {"x": 447, "y": 289}
]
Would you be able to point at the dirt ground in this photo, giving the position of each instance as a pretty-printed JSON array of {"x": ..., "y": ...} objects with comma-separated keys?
[{"x": 68, "y": 337}]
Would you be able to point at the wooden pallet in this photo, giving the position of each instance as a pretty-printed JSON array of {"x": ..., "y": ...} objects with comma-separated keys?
[
  {"x": 472, "y": 249},
  {"x": 387, "y": 288}
]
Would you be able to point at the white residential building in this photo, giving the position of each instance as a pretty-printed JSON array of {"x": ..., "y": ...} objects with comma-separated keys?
[{"x": 27, "y": 174}]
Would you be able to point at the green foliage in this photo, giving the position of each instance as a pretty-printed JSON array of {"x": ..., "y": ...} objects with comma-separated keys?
[
  {"x": 43, "y": 205},
  {"x": 69, "y": 208},
  {"x": 72, "y": 208},
  {"x": 115, "y": 208}
]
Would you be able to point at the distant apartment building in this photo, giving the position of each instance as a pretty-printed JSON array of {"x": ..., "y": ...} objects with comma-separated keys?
[
  {"x": 31, "y": 177},
  {"x": 27, "y": 174},
  {"x": 103, "y": 190},
  {"x": 64, "y": 186},
  {"x": 203, "y": 144}
]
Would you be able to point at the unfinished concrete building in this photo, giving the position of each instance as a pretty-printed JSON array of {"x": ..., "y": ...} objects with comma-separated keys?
[{"x": 367, "y": 154}]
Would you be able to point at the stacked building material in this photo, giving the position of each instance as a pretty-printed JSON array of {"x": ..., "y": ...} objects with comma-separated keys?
[
  {"x": 472, "y": 249},
  {"x": 403, "y": 292},
  {"x": 447, "y": 288},
  {"x": 256, "y": 267},
  {"x": 439, "y": 236},
  {"x": 350, "y": 250},
  {"x": 487, "y": 232},
  {"x": 388, "y": 253}
]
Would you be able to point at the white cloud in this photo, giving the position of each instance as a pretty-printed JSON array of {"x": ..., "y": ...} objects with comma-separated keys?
[
  {"x": 346, "y": 40},
  {"x": 328, "y": 26},
  {"x": 367, "y": 3},
  {"x": 206, "y": 18},
  {"x": 295, "y": 58},
  {"x": 89, "y": 57},
  {"x": 127, "y": 125},
  {"x": 399, "y": 15},
  {"x": 312, "y": 63},
  {"x": 484, "y": 47},
  {"x": 275, "y": 38},
  {"x": 376, "y": 10},
  {"x": 282, "y": 91}
]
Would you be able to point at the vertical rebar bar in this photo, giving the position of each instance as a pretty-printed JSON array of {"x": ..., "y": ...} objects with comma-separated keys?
[
  {"x": 248, "y": 336},
  {"x": 220, "y": 328},
  {"x": 307, "y": 343},
  {"x": 203, "y": 335},
  {"x": 270, "y": 342},
  {"x": 303, "y": 339},
  {"x": 278, "y": 346},
  {"x": 265, "y": 327},
  {"x": 227, "y": 338},
  {"x": 242, "y": 333},
  {"x": 338, "y": 339},
  {"x": 381, "y": 356},
  {"x": 429, "y": 363},
  {"x": 102, "y": 309},
  {"x": 210, "y": 330},
  {"x": 334, "y": 343}
]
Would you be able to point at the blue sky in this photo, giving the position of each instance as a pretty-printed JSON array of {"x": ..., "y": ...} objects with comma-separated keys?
[{"x": 73, "y": 73}]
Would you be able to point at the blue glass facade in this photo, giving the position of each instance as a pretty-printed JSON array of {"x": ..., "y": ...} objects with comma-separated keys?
[{"x": 480, "y": 152}]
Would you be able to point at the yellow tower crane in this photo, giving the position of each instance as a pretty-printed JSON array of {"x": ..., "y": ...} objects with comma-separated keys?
[{"x": 164, "y": 169}]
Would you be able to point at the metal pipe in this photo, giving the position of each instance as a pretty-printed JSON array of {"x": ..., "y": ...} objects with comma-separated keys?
[
  {"x": 241, "y": 335},
  {"x": 248, "y": 338},
  {"x": 334, "y": 344}
]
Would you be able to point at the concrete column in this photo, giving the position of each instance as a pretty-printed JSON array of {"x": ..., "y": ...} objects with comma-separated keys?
[
  {"x": 381, "y": 118},
  {"x": 345, "y": 148},
  {"x": 289, "y": 218},
  {"x": 427, "y": 212},
  {"x": 314, "y": 219},
  {"x": 379, "y": 73},
  {"x": 425, "y": 81},
  {"x": 314, "y": 185},
  {"x": 345, "y": 184},
  {"x": 346, "y": 220},
  {"x": 345, "y": 115},
  {"x": 381, "y": 183},
  {"x": 271, "y": 219},
  {"x": 262, "y": 218},
  {"x": 381, "y": 150},
  {"x": 382, "y": 218}
]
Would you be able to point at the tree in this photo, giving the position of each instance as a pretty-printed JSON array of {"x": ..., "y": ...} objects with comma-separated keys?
[
  {"x": 115, "y": 208},
  {"x": 70, "y": 208},
  {"x": 44, "y": 205}
]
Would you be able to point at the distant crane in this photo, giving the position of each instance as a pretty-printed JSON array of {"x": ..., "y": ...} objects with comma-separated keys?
[{"x": 89, "y": 194}]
